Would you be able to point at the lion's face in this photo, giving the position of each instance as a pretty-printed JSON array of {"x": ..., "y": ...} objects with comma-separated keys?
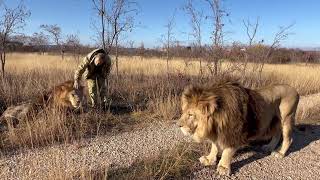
[
  {"x": 75, "y": 97},
  {"x": 193, "y": 122},
  {"x": 197, "y": 109}
]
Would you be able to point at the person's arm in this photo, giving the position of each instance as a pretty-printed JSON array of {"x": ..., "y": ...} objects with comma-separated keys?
[{"x": 80, "y": 70}]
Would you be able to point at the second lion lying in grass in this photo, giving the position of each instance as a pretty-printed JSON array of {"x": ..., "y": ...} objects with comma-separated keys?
[
  {"x": 232, "y": 116},
  {"x": 61, "y": 97}
]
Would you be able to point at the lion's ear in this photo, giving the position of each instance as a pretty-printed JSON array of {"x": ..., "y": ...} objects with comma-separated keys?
[
  {"x": 44, "y": 98},
  {"x": 186, "y": 96},
  {"x": 209, "y": 105},
  {"x": 184, "y": 102}
]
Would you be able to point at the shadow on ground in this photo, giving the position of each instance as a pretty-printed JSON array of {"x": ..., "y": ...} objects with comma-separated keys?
[
  {"x": 302, "y": 137},
  {"x": 120, "y": 108}
]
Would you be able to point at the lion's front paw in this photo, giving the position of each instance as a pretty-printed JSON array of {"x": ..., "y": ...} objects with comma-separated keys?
[
  {"x": 206, "y": 161},
  {"x": 277, "y": 154},
  {"x": 223, "y": 171}
]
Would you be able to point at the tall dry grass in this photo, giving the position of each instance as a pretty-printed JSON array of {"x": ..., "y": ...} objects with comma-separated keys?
[{"x": 143, "y": 85}]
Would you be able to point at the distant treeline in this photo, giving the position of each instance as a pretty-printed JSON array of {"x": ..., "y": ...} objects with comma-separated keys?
[{"x": 234, "y": 52}]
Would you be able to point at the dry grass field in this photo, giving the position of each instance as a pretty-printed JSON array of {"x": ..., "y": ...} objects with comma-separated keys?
[{"x": 143, "y": 92}]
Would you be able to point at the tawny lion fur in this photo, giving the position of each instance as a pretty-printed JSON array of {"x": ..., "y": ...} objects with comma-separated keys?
[
  {"x": 231, "y": 116},
  {"x": 62, "y": 97}
]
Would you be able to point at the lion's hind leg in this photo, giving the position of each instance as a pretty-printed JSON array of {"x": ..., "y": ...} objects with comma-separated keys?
[
  {"x": 287, "y": 125},
  {"x": 272, "y": 144}
]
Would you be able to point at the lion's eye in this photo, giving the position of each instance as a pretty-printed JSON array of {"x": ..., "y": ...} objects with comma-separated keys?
[{"x": 190, "y": 115}]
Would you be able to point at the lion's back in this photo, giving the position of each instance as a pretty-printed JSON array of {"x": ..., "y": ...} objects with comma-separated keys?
[{"x": 280, "y": 94}]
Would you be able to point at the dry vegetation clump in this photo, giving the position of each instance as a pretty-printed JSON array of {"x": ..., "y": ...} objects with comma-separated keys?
[
  {"x": 52, "y": 127},
  {"x": 176, "y": 163},
  {"x": 143, "y": 92}
]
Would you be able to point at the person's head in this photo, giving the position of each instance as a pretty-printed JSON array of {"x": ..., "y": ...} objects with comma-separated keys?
[{"x": 99, "y": 59}]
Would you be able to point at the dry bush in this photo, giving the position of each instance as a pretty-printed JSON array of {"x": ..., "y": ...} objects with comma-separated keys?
[
  {"x": 175, "y": 163},
  {"x": 58, "y": 127},
  {"x": 171, "y": 164}
]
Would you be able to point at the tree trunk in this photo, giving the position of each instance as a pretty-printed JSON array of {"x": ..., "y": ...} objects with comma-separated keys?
[
  {"x": 216, "y": 67},
  {"x": 102, "y": 24},
  {"x": 3, "y": 63},
  {"x": 168, "y": 60},
  {"x": 200, "y": 61},
  {"x": 168, "y": 63},
  {"x": 62, "y": 54},
  {"x": 117, "y": 54}
]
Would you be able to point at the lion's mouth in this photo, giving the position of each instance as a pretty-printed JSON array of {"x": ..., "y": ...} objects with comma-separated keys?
[
  {"x": 186, "y": 131},
  {"x": 77, "y": 106}
]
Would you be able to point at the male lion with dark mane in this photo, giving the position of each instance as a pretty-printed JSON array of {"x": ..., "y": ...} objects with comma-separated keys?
[
  {"x": 63, "y": 97},
  {"x": 231, "y": 117}
]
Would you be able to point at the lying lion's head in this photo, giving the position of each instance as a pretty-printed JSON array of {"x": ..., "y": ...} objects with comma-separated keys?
[
  {"x": 65, "y": 96},
  {"x": 197, "y": 106},
  {"x": 75, "y": 96}
]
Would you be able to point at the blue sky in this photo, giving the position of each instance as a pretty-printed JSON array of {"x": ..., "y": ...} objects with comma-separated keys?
[{"x": 75, "y": 16}]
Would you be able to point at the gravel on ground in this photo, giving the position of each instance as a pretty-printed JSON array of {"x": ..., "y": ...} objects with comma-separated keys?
[{"x": 121, "y": 150}]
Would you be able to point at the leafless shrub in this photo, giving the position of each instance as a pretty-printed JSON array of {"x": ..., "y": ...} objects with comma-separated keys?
[
  {"x": 11, "y": 21},
  {"x": 40, "y": 40},
  {"x": 117, "y": 17},
  {"x": 216, "y": 50},
  {"x": 196, "y": 22},
  {"x": 167, "y": 38},
  {"x": 56, "y": 35},
  {"x": 73, "y": 42}
]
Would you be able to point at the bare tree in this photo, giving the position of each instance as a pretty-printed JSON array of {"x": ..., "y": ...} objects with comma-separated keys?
[
  {"x": 122, "y": 20},
  {"x": 73, "y": 42},
  {"x": 100, "y": 7},
  {"x": 280, "y": 36},
  {"x": 168, "y": 37},
  {"x": 56, "y": 35},
  {"x": 40, "y": 40},
  {"x": 217, "y": 15},
  {"x": 11, "y": 21},
  {"x": 141, "y": 50},
  {"x": 131, "y": 44},
  {"x": 251, "y": 29},
  {"x": 117, "y": 17},
  {"x": 196, "y": 20}
]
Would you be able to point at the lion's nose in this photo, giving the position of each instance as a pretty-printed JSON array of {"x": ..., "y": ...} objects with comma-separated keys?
[{"x": 179, "y": 123}]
